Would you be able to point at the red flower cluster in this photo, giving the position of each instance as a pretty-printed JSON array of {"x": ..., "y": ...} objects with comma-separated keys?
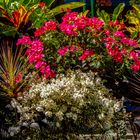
[
  {"x": 90, "y": 35},
  {"x": 35, "y": 56},
  {"x": 136, "y": 65},
  {"x": 25, "y": 40},
  {"x": 117, "y": 43},
  {"x": 95, "y": 23},
  {"x": 72, "y": 23},
  {"x": 116, "y": 53},
  {"x": 18, "y": 78},
  {"x": 129, "y": 42},
  {"x": 64, "y": 50},
  {"x": 86, "y": 54},
  {"x": 48, "y": 26}
]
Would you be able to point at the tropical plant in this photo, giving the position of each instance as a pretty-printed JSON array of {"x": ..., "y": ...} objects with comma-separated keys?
[
  {"x": 15, "y": 16},
  {"x": 133, "y": 17},
  {"x": 134, "y": 2},
  {"x": 48, "y": 12},
  {"x": 114, "y": 16},
  {"x": 13, "y": 69}
]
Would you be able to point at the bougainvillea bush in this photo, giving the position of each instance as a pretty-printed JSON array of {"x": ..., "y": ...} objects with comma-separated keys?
[
  {"x": 73, "y": 103},
  {"x": 81, "y": 42}
]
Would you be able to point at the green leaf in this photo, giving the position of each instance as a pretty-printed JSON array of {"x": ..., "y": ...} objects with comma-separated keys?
[
  {"x": 62, "y": 8},
  {"x": 58, "y": 59},
  {"x": 8, "y": 30},
  {"x": 136, "y": 7},
  {"x": 134, "y": 34},
  {"x": 117, "y": 11},
  {"x": 103, "y": 15},
  {"x": 31, "y": 3},
  {"x": 49, "y": 2},
  {"x": 6, "y": 2}
]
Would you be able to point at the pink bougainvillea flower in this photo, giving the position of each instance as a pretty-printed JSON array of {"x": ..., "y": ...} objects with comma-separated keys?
[
  {"x": 95, "y": 23},
  {"x": 18, "y": 78},
  {"x": 40, "y": 64},
  {"x": 115, "y": 53},
  {"x": 34, "y": 58},
  {"x": 66, "y": 48},
  {"x": 130, "y": 42},
  {"x": 133, "y": 43},
  {"x": 107, "y": 32},
  {"x": 134, "y": 55},
  {"x": 70, "y": 23},
  {"x": 52, "y": 74},
  {"x": 118, "y": 34},
  {"x": 24, "y": 40},
  {"x": 61, "y": 52},
  {"x": 110, "y": 39},
  {"x": 118, "y": 57},
  {"x": 125, "y": 41},
  {"x": 72, "y": 48},
  {"x": 39, "y": 32},
  {"x": 36, "y": 46},
  {"x": 136, "y": 65},
  {"x": 124, "y": 51},
  {"x": 86, "y": 54},
  {"x": 49, "y": 73},
  {"x": 50, "y": 25}
]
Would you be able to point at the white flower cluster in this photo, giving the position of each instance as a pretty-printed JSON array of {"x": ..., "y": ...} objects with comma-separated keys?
[
  {"x": 73, "y": 82},
  {"x": 73, "y": 96}
]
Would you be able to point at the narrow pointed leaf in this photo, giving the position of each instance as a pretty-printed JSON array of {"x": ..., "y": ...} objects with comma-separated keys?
[
  {"x": 6, "y": 21},
  {"x": 49, "y": 2}
]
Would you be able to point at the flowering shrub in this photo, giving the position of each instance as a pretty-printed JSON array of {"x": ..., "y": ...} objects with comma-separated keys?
[
  {"x": 82, "y": 42},
  {"x": 71, "y": 103}
]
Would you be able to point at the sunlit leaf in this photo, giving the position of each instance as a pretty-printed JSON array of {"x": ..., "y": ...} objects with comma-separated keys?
[
  {"x": 117, "y": 11},
  {"x": 63, "y": 8}
]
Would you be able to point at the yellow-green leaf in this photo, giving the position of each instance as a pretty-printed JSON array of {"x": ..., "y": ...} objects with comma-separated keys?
[{"x": 62, "y": 8}]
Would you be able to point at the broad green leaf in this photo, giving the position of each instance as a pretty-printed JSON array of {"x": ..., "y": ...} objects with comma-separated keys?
[
  {"x": 62, "y": 8},
  {"x": 117, "y": 11}
]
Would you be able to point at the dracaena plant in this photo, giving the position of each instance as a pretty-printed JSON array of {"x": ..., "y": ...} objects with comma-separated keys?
[{"x": 13, "y": 69}]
